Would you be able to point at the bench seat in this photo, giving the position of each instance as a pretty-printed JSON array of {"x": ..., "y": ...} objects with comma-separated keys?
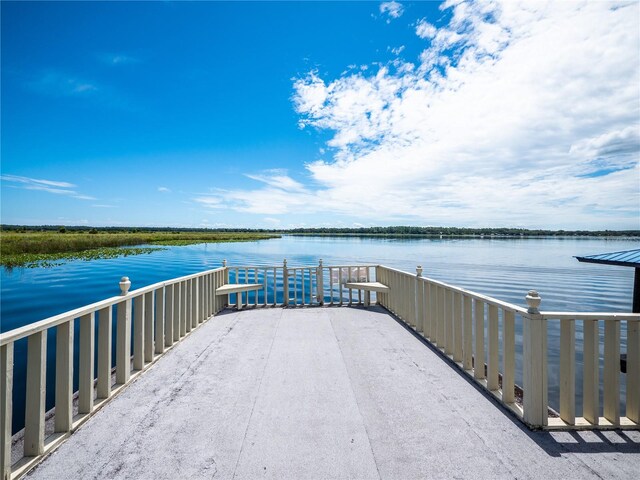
[
  {"x": 368, "y": 287},
  {"x": 238, "y": 288}
]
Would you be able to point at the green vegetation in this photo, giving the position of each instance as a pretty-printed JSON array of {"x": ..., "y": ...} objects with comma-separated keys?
[
  {"x": 30, "y": 260},
  {"x": 29, "y": 248}
]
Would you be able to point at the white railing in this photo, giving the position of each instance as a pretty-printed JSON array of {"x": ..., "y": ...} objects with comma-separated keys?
[
  {"x": 300, "y": 286},
  {"x": 465, "y": 326},
  {"x": 162, "y": 314}
]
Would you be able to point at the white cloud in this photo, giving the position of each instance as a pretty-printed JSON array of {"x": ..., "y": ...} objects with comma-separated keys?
[
  {"x": 277, "y": 179},
  {"x": 49, "y": 186},
  {"x": 164, "y": 190},
  {"x": 392, "y": 9},
  {"x": 58, "y": 84},
  {"x": 116, "y": 59},
  {"x": 425, "y": 30},
  {"x": 32, "y": 181},
  {"x": 518, "y": 113}
]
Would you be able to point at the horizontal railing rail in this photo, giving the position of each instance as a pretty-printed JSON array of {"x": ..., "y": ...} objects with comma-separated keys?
[{"x": 480, "y": 334}]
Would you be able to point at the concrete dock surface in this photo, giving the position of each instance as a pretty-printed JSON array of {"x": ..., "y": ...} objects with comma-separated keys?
[{"x": 320, "y": 393}]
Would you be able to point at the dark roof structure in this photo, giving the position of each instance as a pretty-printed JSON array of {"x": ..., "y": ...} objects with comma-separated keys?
[{"x": 627, "y": 258}]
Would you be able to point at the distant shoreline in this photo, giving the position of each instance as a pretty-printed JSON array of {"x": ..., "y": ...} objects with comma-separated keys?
[{"x": 390, "y": 231}]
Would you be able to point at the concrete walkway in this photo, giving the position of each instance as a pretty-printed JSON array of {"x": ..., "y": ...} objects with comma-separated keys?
[{"x": 317, "y": 394}]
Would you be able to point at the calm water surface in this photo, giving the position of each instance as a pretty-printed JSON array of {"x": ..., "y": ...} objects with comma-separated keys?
[{"x": 505, "y": 269}]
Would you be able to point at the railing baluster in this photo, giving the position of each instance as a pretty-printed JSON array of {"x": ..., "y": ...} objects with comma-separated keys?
[
  {"x": 508, "y": 356},
  {"x": 467, "y": 349},
  {"x": 303, "y": 289},
  {"x": 138, "y": 332},
  {"x": 441, "y": 318},
  {"x": 457, "y": 327},
  {"x": 633, "y": 371},
  {"x": 6, "y": 408},
  {"x": 419, "y": 289},
  {"x": 568, "y": 371},
  {"x": 196, "y": 318},
  {"x": 36, "y": 394},
  {"x": 64, "y": 377},
  {"x": 177, "y": 298},
  {"x": 200, "y": 310},
  {"x": 184, "y": 301},
  {"x": 612, "y": 371},
  {"x": 591, "y": 394},
  {"x": 426, "y": 322},
  {"x": 433, "y": 312},
  {"x": 285, "y": 283},
  {"x": 148, "y": 327},
  {"x": 105, "y": 326},
  {"x": 188, "y": 321},
  {"x": 205, "y": 300},
  {"x": 123, "y": 344},
  {"x": 265, "y": 299},
  {"x": 160, "y": 322},
  {"x": 85, "y": 373},
  {"x": 213, "y": 303},
  {"x": 331, "y": 285},
  {"x": 492, "y": 364},
  {"x": 478, "y": 359},
  {"x": 448, "y": 318},
  {"x": 169, "y": 315},
  {"x": 274, "y": 288}
]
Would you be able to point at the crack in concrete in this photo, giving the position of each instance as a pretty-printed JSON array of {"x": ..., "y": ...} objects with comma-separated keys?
[
  {"x": 255, "y": 400},
  {"x": 355, "y": 398}
]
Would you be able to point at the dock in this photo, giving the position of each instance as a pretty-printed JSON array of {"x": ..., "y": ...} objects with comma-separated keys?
[{"x": 318, "y": 394}]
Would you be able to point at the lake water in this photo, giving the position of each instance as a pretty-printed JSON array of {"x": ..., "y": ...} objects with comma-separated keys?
[{"x": 502, "y": 268}]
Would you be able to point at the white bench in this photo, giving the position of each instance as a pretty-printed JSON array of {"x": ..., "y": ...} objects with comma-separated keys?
[
  {"x": 238, "y": 288},
  {"x": 368, "y": 287}
]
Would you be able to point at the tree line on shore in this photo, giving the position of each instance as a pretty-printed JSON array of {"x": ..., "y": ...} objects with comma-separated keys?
[{"x": 358, "y": 231}]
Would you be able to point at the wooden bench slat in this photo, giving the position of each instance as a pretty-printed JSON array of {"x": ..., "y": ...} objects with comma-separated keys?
[
  {"x": 369, "y": 286},
  {"x": 237, "y": 287}
]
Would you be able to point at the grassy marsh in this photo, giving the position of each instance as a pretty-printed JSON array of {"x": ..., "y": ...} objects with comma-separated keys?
[{"x": 31, "y": 248}]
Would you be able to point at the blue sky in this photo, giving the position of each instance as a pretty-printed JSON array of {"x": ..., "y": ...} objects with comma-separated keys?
[{"x": 316, "y": 114}]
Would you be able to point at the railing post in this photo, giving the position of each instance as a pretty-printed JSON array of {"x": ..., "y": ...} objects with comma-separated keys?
[
  {"x": 419, "y": 300},
  {"x": 379, "y": 278},
  {"x": 148, "y": 327},
  {"x": 226, "y": 280},
  {"x": 138, "y": 329},
  {"x": 86, "y": 363},
  {"x": 534, "y": 363},
  {"x": 159, "y": 317},
  {"x": 64, "y": 377},
  {"x": 104, "y": 352},
  {"x": 285, "y": 282},
  {"x": 6, "y": 408},
  {"x": 36, "y": 394},
  {"x": 123, "y": 335},
  {"x": 320, "y": 283}
]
